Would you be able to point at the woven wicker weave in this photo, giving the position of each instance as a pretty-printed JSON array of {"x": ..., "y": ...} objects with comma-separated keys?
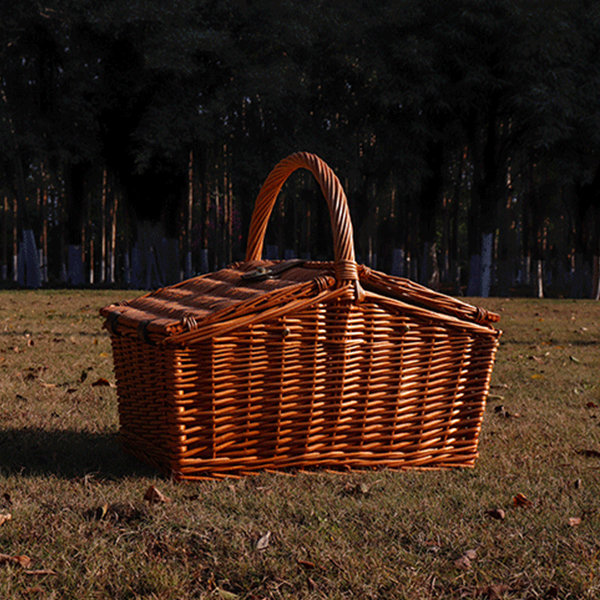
[{"x": 276, "y": 365}]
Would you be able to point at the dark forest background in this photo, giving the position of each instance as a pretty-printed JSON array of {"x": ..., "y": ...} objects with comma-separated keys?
[{"x": 134, "y": 136}]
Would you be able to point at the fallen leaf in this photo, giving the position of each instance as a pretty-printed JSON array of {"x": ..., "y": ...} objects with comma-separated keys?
[
  {"x": 522, "y": 501},
  {"x": 101, "y": 512},
  {"x": 471, "y": 554},
  {"x": 464, "y": 562},
  {"x": 40, "y": 572},
  {"x": 574, "y": 359},
  {"x": 574, "y": 521},
  {"x": 22, "y": 560},
  {"x": 496, "y": 513},
  {"x": 19, "y": 559},
  {"x": 496, "y": 591},
  {"x": 155, "y": 496},
  {"x": 101, "y": 382},
  {"x": 590, "y": 453},
  {"x": 263, "y": 542},
  {"x": 537, "y": 376},
  {"x": 5, "y": 517},
  {"x": 30, "y": 342},
  {"x": 225, "y": 595},
  {"x": 306, "y": 564}
]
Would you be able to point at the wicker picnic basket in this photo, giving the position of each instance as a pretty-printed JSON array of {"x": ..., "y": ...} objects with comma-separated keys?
[{"x": 269, "y": 365}]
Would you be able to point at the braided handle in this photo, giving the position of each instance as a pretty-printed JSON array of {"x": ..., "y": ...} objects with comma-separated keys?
[{"x": 343, "y": 237}]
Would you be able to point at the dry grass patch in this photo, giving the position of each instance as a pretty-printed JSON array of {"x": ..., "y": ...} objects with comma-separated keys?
[{"x": 78, "y": 511}]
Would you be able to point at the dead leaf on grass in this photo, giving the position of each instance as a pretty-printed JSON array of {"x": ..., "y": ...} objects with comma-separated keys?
[
  {"x": 589, "y": 453},
  {"x": 30, "y": 342},
  {"x": 5, "y": 517},
  {"x": 574, "y": 359},
  {"x": 154, "y": 496},
  {"x": 307, "y": 564},
  {"x": 40, "y": 572},
  {"x": 225, "y": 595},
  {"x": 464, "y": 562},
  {"x": 101, "y": 381},
  {"x": 495, "y": 591},
  {"x": 496, "y": 513},
  {"x": 522, "y": 501},
  {"x": 574, "y": 521},
  {"x": 263, "y": 542},
  {"x": 20, "y": 559}
]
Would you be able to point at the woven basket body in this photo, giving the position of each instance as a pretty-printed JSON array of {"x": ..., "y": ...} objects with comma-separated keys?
[{"x": 276, "y": 365}]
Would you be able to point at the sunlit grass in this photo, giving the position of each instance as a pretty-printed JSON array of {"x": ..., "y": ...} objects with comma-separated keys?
[{"x": 77, "y": 507}]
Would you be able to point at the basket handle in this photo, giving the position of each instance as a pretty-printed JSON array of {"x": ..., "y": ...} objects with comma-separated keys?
[{"x": 343, "y": 238}]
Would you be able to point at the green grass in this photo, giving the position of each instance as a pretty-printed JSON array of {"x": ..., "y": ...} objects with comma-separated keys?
[{"x": 78, "y": 511}]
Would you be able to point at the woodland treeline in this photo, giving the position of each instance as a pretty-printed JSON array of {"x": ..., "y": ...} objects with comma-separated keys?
[{"x": 134, "y": 136}]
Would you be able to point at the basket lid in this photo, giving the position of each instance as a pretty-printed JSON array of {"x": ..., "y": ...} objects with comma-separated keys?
[
  {"x": 253, "y": 287},
  {"x": 215, "y": 297}
]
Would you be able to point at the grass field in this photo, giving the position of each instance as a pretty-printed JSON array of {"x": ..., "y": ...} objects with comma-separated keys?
[{"x": 80, "y": 528}]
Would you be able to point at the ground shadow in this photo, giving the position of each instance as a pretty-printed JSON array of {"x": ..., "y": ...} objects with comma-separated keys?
[{"x": 66, "y": 453}]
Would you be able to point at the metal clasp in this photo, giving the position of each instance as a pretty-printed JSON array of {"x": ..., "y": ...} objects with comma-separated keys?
[{"x": 261, "y": 273}]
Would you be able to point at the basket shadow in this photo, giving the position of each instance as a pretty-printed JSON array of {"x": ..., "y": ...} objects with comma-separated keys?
[{"x": 66, "y": 453}]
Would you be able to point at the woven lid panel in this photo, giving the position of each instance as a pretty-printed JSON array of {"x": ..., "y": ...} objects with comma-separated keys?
[{"x": 167, "y": 310}]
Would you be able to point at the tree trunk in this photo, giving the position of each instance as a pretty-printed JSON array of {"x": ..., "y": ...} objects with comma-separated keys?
[
  {"x": 102, "y": 277},
  {"x": 4, "y": 242},
  {"x": 487, "y": 255},
  {"x": 596, "y": 279}
]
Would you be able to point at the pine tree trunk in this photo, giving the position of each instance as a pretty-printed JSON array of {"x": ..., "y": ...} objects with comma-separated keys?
[
  {"x": 102, "y": 277},
  {"x": 113, "y": 238},
  {"x": 4, "y": 242},
  {"x": 487, "y": 259},
  {"x": 539, "y": 278},
  {"x": 596, "y": 278},
  {"x": 190, "y": 207},
  {"x": 15, "y": 241}
]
